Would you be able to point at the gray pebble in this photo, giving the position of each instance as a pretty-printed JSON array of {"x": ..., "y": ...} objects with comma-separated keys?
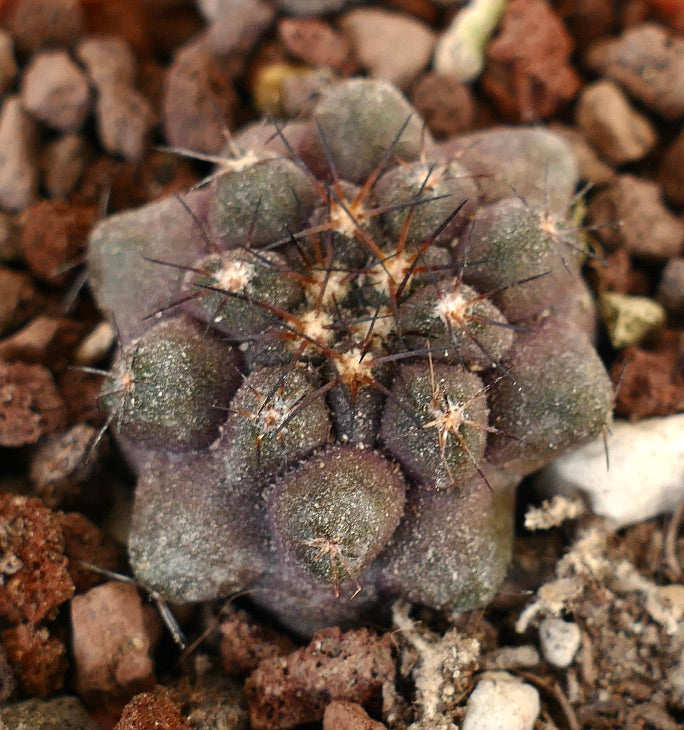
[
  {"x": 559, "y": 640},
  {"x": 501, "y": 702},
  {"x": 670, "y": 292}
]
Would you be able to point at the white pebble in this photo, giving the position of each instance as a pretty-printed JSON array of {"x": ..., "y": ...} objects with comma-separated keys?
[
  {"x": 559, "y": 641},
  {"x": 501, "y": 702},
  {"x": 646, "y": 474}
]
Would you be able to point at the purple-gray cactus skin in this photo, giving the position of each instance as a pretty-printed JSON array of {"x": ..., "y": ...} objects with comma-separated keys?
[{"x": 361, "y": 341}]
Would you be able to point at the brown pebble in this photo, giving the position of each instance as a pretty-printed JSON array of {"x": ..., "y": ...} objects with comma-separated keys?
[
  {"x": 33, "y": 564},
  {"x": 45, "y": 340},
  {"x": 286, "y": 691},
  {"x": 55, "y": 91},
  {"x": 610, "y": 123},
  {"x": 108, "y": 60},
  {"x": 84, "y": 541},
  {"x": 125, "y": 119},
  {"x": 111, "y": 643},
  {"x": 245, "y": 643},
  {"x": 54, "y": 236},
  {"x": 631, "y": 213},
  {"x": 19, "y": 301},
  {"x": 30, "y": 406},
  {"x": 198, "y": 101},
  {"x": 591, "y": 168},
  {"x": 18, "y": 166},
  {"x": 44, "y": 23},
  {"x": 152, "y": 710},
  {"x": 341, "y": 715},
  {"x": 391, "y": 46},
  {"x": 671, "y": 173},
  {"x": 446, "y": 104},
  {"x": 62, "y": 163},
  {"x": 670, "y": 292},
  {"x": 648, "y": 62},
  {"x": 528, "y": 74},
  {"x": 616, "y": 272},
  {"x": 10, "y": 238},
  {"x": 59, "y": 465},
  {"x": 38, "y": 660},
  {"x": 316, "y": 43},
  {"x": 237, "y": 25},
  {"x": 8, "y": 66}
]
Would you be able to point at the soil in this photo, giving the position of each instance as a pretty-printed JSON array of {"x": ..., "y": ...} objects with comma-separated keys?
[{"x": 91, "y": 140}]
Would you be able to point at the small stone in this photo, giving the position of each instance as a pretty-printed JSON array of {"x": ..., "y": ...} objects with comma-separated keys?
[
  {"x": 236, "y": 27},
  {"x": 124, "y": 121},
  {"x": 10, "y": 238},
  {"x": 670, "y": 292},
  {"x": 591, "y": 167},
  {"x": 445, "y": 103},
  {"x": 389, "y": 45},
  {"x": 108, "y": 60},
  {"x": 671, "y": 173},
  {"x": 20, "y": 299},
  {"x": 60, "y": 713},
  {"x": 111, "y": 642},
  {"x": 45, "y": 340},
  {"x": 38, "y": 660},
  {"x": 8, "y": 66},
  {"x": 62, "y": 164},
  {"x": 646, "y": 474},
  {"x": 30, "y": 406},
  {"x": 528, "y": 73},
  {"x": 95, "y": 345},
  {"x": 316, "y": 43},
  {"x": 648, "y": 62},
  {"x": 152, "y": 710},
  {"x": 631, "y": 213},
  {"x": 560, "y": 640},
  {"x": 56, "y": 91},
  {"x": 18, "y": 168},
  {"x": 513, "y": 657},
  {"x": 500, "y": 700},
  {"x": 53, "y": 237},
  {"x": 610, "y": 123},
  {"x": 341, "y": 715},
  {"x": 45, "y": 23},
  {"x": 630, "y": 320},
  {"x": 198, "y": 101}
]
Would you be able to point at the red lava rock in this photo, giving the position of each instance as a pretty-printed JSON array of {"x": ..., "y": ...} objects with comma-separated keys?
[
  {"x": 125, "y": 119},
  {"x": 8, "y": 683},
  {"x": 609, "y": 122},
  {"x": 44, "y": 23},
  {"x": 108, "y": 60},
  {"x": 152, "y": 710},
  {"x": 84, "y": 541},
  {"x": 340, "y": 715},
  {"x": 18, "y": 166},
  {"x": 446, "y": 104},
  {"x": 671, "y": 173},
  {"x": 30, "y": 406},
  {"x": 631, "y": 213},
  {"x": 389, "y": 45},
  {"x": 53, "y": 237},
  {"x": 61, "y": 464},
  {"x": 8, "y": 66},
  {"x": 198, "y": 101},
  {"x": 649, "y": 63},
  {"x": 527, "y": 72},
  {"x": 56, "y": 91},
  {"x": 237, "y": 25},
  {"x": 20, "y": 299},
  {"x": 650, "y": 383},
  {"x": 316, "y": 43},
  {"x": 33, "y": 566},
  {"x": 38, "y": 660},
  {"x": 245, "y": 643},
  {"x": 670, "y": 291},
  {"x": 45, "y": 340},
  {"x": 111, "y": 643},
  {"x": 62, "y": 163},
  {"x": 286, "y": 691}
]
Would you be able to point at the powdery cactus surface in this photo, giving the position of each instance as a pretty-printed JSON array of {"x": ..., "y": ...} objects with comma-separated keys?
[{"x": 340, "y": 355}]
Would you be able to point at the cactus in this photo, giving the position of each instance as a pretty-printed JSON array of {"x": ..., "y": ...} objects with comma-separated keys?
[{"x": 343, "y": 352}]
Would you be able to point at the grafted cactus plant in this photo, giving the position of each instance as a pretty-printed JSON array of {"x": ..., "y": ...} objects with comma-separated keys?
[{"x": 341, "y": 354}]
